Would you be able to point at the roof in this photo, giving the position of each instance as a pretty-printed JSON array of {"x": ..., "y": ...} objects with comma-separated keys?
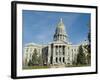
[
  {"x": 32, "y": 44},
  {"x": 60, "y": 24}
]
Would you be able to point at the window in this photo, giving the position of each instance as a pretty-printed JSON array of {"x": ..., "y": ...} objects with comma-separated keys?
[
  {"x": 60, "y": 59},
  {"x": 72, "y": 51},
  {"x": 26, "y": 49},
  {"x": 51, "y": 59},
  {"x": 63, "y": 50},
  {"x": 63, "y": 59},
  {"x": 60, "y": 49},
  {"x": 75, "y": 50},
  {"x": 56, "y": 50},
  {"x": 56, "y": 60}
]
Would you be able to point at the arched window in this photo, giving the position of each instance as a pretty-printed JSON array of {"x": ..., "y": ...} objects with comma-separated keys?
[
  {"x": 63, "y": 50},
  {"x": 27, "y": 50},
  {"x": 56, "y": 51},
  {"x": 51, "y": 59},
  {"x": 56, "y": 60},
  {"x": 60, "y": 59},
  {"x": 63, "y": 59}
]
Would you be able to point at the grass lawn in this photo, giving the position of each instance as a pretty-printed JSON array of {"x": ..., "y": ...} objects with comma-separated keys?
[
  {"x": 79, "y": 65},
  {"x": 35, "y": 67},
  {"x": 45, "y": 67}
]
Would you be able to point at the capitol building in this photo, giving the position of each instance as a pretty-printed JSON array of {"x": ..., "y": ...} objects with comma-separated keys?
[{"x": 58, "y": 52}]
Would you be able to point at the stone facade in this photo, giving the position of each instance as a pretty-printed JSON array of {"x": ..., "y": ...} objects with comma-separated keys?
[
  {"x": 58, "y": 52},
  {"x": 29, "y": 50}
]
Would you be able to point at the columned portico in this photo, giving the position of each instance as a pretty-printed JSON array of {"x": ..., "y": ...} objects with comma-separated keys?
[
  {"x": 58, "y": 54},
  {"x": 60, "y": 39},
  {"x": 54, "y": 54}
]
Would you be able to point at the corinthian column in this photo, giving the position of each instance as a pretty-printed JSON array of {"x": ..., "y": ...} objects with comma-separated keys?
[{"x": 53, "y": 54}]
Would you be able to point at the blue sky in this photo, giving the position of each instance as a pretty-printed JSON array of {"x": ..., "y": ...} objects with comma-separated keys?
[{"x": 39, "y": 26}]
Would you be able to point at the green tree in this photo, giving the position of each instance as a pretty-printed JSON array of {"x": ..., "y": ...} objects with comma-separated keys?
[
  {"x": 40, "y": 60},
  {"x": 88, "y": 46},
  {"x": 81, "y": 59},
  {"x": 89, "y": 33},
  {"x": 35, "y": 57},
  {"x": 30, "y": 63},
  {"x": 88, "y": 57}
]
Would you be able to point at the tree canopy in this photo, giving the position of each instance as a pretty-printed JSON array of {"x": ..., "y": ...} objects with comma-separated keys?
[
  {"x": 36, "y": 59},
  {"x": 81, "y": 59}
]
